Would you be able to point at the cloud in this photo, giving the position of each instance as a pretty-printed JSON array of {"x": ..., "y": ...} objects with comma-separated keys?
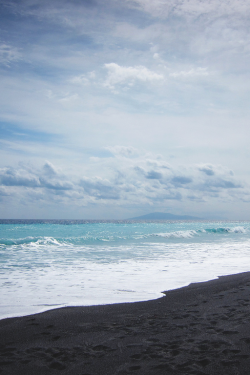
[
  {"x": 49, "y": 169},
  {"x": 9, "y": 54},
  {"x": 54, "y": 184},
  {"x": 136, "y": 178},
  {"x": 225, "y": 184},
  {"x": 153, "y": 175},
  {"x": 121, "y": 180},
  {"x": 21, "y": 177},
  {"x": 207, "y": 169},
  {"x": 129, "y": 75},
  {"x": 83, "y": 79},
  {"x": 192, "y": 8},
  {"x": 123, "y": 151},
  {"x": 215, "y": 170},
  {"x": 46, "y": 178},
  {"x": 181, "y": 180},
  {"x": 99, "y": 188},
  {"x": 195, "y": 72}
]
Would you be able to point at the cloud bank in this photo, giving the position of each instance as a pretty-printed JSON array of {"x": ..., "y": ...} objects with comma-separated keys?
[{"x": 127, "y": 177}]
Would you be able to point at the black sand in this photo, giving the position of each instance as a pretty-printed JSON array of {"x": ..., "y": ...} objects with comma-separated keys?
[{"x": 201, "y": 329}]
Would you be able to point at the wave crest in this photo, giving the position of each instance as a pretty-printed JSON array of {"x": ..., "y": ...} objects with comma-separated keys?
[
  {"x": 193, "y": 233},
  {"x": 178, "y": 234},
  {"x": 30, "y": 241},
  {"x": 89, "y": 239}
]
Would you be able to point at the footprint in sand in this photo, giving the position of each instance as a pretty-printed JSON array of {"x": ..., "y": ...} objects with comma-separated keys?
[
  {"x": 229, "y": 332},
  {"x": 246, "y": 339},
  {"x": 136, "y": 356},
  {"x": 134, "y": 368},
  {"x": 55, "y": 338},
  {"x": 57, "y": 365}
]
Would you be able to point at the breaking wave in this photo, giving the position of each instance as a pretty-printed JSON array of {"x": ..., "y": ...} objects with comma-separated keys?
[
  {"x": 193, "y": 233},
  {"x": 91, "y": 238},
  {"x": 30, "y": 240}
]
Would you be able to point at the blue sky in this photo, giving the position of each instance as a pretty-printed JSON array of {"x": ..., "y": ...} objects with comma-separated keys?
[{"x": 116, "y": 109}]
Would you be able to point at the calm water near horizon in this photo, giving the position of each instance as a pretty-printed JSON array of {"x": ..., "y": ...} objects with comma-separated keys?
[{"x": 46, "y": 264}]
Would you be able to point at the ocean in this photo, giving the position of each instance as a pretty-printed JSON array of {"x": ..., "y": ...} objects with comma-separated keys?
[{"x": 51, "y": 264}]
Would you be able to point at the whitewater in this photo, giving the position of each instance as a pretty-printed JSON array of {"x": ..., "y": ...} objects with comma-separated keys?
[{"x": 51, "y": 264}]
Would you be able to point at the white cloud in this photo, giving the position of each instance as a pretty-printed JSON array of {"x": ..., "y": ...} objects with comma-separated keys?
[
  {"x": 9, "y": 54},
  {"x": 128, "y": 75},
  {"x": 136, "y": 180},
  {"x": 49, "y": 169},
  {"x": 100, "y": 188},
  {"x": 47, "y": 178},
  {"x": 18, "y": 177},
  {"x": 208, "y": 169},
  {"x": 83, "y": 79},
  {"x": 194, "y": 72},
  {"x": 68, "y": 97},
  {"x": 61, "y": 96},
  {"x": 193, "y": 8},
  {"x": 123, "y": 151},
  {"x": 215, "y": 170}
]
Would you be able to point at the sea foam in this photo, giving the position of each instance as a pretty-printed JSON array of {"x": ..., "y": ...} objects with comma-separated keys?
[{"x": 51, "y": 265}]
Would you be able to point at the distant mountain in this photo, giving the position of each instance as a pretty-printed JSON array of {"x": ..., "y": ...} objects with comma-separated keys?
[{"x": 164, "y": 216}]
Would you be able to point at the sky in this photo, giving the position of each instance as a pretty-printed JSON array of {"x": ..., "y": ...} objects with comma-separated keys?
[{"x": 115, "y": 109}]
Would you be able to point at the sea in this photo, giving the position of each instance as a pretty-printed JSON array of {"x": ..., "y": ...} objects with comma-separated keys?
[{"x": 47, "y": 264}]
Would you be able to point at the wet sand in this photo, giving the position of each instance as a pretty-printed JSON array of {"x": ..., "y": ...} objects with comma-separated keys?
[{"x": 200, "y": 329}]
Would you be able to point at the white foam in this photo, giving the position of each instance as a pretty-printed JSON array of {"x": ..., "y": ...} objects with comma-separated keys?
[
  {"x": 238, "y": 230},
  {"x": 178, "y": 234},
  {"x": 79, "y": 281}
]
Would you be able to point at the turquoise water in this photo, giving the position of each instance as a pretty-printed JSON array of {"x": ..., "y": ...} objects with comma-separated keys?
[{"x": 51, "y": 264}]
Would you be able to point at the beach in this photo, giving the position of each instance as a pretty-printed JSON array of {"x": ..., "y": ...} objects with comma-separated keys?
[{"x": 203, "y": 328}]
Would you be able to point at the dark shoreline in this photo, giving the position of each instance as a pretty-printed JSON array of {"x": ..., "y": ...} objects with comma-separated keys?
[{"x": 203, "y": 328}]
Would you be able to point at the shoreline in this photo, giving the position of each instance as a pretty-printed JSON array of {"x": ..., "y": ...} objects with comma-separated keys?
[{"x": 203, "y": 328}]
